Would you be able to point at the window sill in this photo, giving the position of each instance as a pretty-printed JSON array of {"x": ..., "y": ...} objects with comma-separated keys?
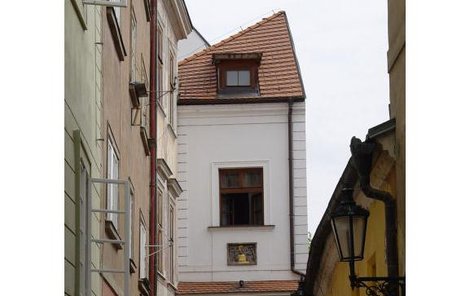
[
  {"x": 132, "y": 266},
  {"x": 159, "y": 104},
  {"x": 145, "y": 140},
  {"x": 170, "y": 127},
  {"x": 161, "y": 277},
  {"x": 144, "y": 286},
  {"x": 112, "y": 233},
  {"x": 242, "y": 228},
  {"x": 171, "y": 286},
  {"x": 81, "y": 13}
]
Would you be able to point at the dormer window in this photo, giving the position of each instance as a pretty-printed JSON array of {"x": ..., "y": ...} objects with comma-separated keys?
[
  {"x": 237, "y": 74},
  {"x": 237, "y": 78}
]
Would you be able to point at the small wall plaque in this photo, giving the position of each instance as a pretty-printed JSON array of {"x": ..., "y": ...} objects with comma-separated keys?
[{"x": 241, "y": 254}]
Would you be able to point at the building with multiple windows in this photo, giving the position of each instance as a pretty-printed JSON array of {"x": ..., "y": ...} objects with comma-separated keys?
[
  {"x": 242, "y": 216},
  {"x": 108, "y": 143},
  {"x": 82, "y": 145}
]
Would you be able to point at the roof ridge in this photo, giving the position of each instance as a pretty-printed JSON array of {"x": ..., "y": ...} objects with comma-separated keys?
[{"x": 232, "y": 37}]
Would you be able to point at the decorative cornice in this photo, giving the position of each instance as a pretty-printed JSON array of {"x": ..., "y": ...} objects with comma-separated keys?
[
  {"x": 174, "y": 187},
  {"x": 163, "y": 168}
]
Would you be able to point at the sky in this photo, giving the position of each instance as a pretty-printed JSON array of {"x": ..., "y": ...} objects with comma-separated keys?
[{"x": 341, "y": 48}]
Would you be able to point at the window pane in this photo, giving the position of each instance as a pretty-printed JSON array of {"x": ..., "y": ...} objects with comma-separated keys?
[
  {"x": 232, "y": 78},
  {"x": 227, "y": 211},
  {"x": 257, "y": 209},
  {"x": 252, "y": 179},
  {"x": 244, "y": 78},
  {"x": 241, "y": 209},
  {"x": 230, "y": 180}
]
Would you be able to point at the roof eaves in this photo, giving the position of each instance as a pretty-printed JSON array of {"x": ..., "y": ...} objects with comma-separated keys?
[
  {"x": 381, "y": 129},
  {"x": 247, "y": 100},
  {"x": 295, "y": 55}
]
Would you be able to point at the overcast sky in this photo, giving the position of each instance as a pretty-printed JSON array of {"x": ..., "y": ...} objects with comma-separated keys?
[{"x": 341, "y": 46}]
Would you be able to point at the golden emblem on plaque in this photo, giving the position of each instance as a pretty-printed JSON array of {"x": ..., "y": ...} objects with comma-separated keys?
[{"x": 241, "y": 254}]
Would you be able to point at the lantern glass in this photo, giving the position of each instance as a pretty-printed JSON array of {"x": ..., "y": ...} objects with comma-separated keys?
[
  {"x": 359, "y": 230},
  {"x": 354, "y": 221},
  {"x": 341, "y": 232}
]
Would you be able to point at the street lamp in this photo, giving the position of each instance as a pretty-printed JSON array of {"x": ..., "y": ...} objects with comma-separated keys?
[{"x": 349, "y": 223}]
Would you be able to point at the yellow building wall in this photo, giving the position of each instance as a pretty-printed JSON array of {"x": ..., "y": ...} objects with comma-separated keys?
[{"x": 374, "y": 263}]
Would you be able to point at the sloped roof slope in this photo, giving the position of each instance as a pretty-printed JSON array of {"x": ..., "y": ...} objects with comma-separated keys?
[{"x": 279, "y": 75}]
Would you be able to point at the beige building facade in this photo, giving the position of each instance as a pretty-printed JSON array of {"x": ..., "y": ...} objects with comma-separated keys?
[
  {"x": 173, "y": 24},
  {"x": 107, "y": 138},
  {"x": 125, "y": 128}
]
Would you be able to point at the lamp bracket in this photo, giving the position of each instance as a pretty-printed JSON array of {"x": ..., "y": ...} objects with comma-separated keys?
[{"x": 380, "y": 286}]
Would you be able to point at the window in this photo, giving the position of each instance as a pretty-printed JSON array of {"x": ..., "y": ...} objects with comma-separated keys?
[
  {"x": 133, "y": 72},
  {"x": 117, "y": 12},
  {"x": 160, "y": 93},
  {"x": 241, "y": 196},
  {"x": 160, "y": 43},
  {"x": 171, "y": 88},
  {"x": 237, "y": 73},
  {"x": 142, "y": 251},
  {"x": 171, "y": 223},
  {"x": 160, "y": 231},
  {"x": 113, "y": 189},
  {"x": 84, "y": 195},
  {"x": 238, "y": 78},
  {"x": 131, "y": 219}
]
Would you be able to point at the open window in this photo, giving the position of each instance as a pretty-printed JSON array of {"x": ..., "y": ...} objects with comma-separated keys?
[
  {"x": 237, "y": 74},
  {"x": 112, "y": 196},
  {"x": 241, "y": 196}
]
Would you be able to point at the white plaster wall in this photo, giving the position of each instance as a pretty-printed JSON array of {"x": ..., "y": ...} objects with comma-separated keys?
[
  {"x": 192, "y": 44},
  {"x": 241, "y": 135}
]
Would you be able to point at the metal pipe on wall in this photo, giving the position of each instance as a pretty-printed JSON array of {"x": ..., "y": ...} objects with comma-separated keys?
[
  {"x": 153, "y": 147},
  {"x": 362, "y": 153}
]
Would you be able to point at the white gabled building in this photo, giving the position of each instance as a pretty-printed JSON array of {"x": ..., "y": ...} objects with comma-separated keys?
[{"x": 242, "y": 216}]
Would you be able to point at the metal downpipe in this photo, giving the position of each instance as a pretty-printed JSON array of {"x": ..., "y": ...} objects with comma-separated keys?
[
  {"x": 362, "y": 159},
  {"x": 153, "y": 148}
]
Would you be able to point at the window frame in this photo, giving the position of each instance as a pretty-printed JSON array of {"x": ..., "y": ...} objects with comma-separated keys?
[
  {"x": 242, "y": 189},
  {"x": 171, "y": 247},
  {"x": 223, "y": 67},
  {"x": 133, "y": 47},
  {"x": 143, "y": 270},
  {"x": 112, "y": 201},
  {"x": 215, "y": 195},
  {"x": 171, "y": 89},
  {"x": 159, "y": 236}
]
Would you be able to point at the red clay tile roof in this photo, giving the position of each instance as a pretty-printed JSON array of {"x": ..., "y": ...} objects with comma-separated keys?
[
  {"x": 278, "y": 74},
  {"x": 187, "y": 288}
]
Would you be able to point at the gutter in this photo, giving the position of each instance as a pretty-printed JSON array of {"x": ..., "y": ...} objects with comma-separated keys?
[{"x": 291, "y": 193}]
